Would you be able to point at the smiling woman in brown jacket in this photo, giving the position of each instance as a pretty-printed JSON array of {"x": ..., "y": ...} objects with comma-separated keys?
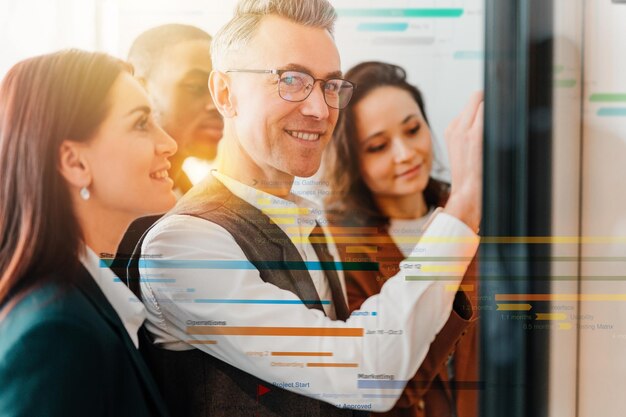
[{"x": 382, "y": 195}]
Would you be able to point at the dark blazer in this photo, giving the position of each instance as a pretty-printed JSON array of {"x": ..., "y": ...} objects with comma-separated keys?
[
  {"x": 65, "y": 352},
  {"x": 429, "y": 393}
]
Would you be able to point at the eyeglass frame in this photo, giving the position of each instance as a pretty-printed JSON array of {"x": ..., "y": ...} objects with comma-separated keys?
[{"x": 279, "y": 72}]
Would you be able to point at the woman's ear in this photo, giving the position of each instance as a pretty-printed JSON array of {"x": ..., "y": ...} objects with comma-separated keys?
[
  {"x": 222, "y": 94},
  {"x": 73, "y": 164}
]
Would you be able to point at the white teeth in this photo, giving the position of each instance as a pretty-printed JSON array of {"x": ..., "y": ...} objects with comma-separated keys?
[
  {"x": 304, "y": 136},
  {"x": 159, "y": 174}
]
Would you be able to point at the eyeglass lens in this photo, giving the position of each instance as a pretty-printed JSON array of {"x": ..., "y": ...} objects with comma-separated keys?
[{"x": 297, "y": 86}]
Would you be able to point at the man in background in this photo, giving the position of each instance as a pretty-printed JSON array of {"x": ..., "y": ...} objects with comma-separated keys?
[{"x": 173, "y": 63}]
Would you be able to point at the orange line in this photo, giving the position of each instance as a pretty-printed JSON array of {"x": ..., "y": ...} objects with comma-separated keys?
[
  {"x": 201, "y": 342},
  {"x": 276, "y": 331},
  {"x": 302, "y": 353},
  {"x": 331, "y": 365},
  {"x": 560, "y": 297}
]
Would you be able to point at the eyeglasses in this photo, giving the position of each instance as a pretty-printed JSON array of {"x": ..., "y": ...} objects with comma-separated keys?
[{"x": 297, "y": 86}]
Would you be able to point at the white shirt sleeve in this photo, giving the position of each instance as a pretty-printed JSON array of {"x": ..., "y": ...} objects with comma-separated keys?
[{"x": 198, "y": 285}]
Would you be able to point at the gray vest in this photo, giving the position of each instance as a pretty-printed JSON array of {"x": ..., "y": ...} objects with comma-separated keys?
[{"x": 194, "y": 383}]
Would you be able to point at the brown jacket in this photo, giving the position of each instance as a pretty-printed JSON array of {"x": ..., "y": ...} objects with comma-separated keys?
[{"x": 429, "y": 393}]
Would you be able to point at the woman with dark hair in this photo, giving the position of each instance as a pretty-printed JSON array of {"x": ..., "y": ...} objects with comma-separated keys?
[
  {"x": 80, "y": 158},
  {"x": 378, "y": 168}
]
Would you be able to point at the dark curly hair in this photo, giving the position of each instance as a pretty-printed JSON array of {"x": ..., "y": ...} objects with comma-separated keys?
[{"x": 348, "y": 191}]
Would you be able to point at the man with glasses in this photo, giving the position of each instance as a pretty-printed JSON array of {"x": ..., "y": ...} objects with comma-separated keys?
[{"x": 247, "y": 312}]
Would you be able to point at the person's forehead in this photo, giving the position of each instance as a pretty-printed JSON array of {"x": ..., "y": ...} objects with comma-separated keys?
[
  {"x": 281, "y": 43},
  {"x": 186, "y": 57}
]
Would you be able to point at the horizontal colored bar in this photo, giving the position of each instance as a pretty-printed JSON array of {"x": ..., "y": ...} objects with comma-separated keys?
[
  {"x": 469, "y": 55},
  {"x": 515, "y": 258},
  {"x": 443, "y": 268},
  {"x": 276, "y": 331},
  {"x": 331, "y": 365},
  {"x": 339, "y": 230},
  {"x": 514, "y": 307},
  {"x": 302, "y": 353},
  {"x": 558, "y": 68},
  {"x": 550, "y": 316},
  {"x": 229, "y": 301},
  {"x": 364, "y": 240},
  {"x": 568, "y": 83},
  {"x": 487, "y": 277},
  {"x": 608, "y": 97},
  {"x": 462, "y": 287},
  {"x": 264, "y": 201},
  {"x": 156, "y": 280},
  {"x": 612, "y": 112},
  {"x": 283, "y": 220},
  {"x": 201, "y": 342},
  {"x": 380, "y": 384},
  {"x": 560, "y": 297},
  {"x": 382, "y": 27},
  {"x": 565, "y": 326},
  {"x": 285, "y": 210},
  {"x": 260, "y": 265},
  {"x": 422, "y": 12},
  {"x": 362, "y": 249}
]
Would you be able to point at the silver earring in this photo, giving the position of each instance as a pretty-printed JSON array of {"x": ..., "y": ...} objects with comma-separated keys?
[{"x": 84, "y": 193}]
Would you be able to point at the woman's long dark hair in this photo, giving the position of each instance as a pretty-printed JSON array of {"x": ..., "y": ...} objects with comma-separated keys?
[
  {"x": 348, "y": 192},
  {"x": 43, "y": 101}
]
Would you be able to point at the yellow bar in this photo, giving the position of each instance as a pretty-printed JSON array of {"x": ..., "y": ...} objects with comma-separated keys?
[
  {"x": 331, "y": 365},
  {"x": 443, "y": 268},
  {"x": 462, "y": 287},
  {"x": 264, "y": 201},
  {"x": 283, "y": 220},
  {"x": 339, "y": 230},
  {"x": 560, "y": 297},
  {"x": 575, "y": 240},
  {"x": 565, "y": 326},
  {"x": 551, "y": 316},
  {"x": 302, "y": 353},
  {"x": 285, "y": 210},
  {"x": 361, "y": 249},
  {"x": 514, "y": 307}
]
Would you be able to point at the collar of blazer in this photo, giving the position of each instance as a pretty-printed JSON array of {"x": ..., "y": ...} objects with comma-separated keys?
[{"x": 92, "y": 292}]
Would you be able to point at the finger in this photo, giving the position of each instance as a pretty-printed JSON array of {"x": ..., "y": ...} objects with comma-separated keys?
[
  {"x": 469, "y": 112},
  {"x": 479, "y": 120}
]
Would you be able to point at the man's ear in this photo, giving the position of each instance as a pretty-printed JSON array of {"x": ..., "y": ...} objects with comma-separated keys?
[
  {"x": 73, "y": 164},
  {"x": 223, "y": 97}
]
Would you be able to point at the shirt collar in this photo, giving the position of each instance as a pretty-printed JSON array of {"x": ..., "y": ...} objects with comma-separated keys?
[
  {"x": 128, "y": 307},
  {"x": 296, "y": 216}
]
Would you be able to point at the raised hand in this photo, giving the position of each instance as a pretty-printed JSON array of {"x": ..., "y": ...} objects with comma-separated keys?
[{"x": 464, "y": 137}]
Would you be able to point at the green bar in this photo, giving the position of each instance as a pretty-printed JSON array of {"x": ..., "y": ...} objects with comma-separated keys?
[
  {"x": 608, "y": 97},
  {"x": 400, "y": 12},
  {"x": 558, "y": 68}
]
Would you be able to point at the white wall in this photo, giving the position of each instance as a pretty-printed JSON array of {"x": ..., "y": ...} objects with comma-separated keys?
[{"x": 602, "y": 363}]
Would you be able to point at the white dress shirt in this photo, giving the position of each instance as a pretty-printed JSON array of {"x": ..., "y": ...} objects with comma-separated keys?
[
  {"x": 127, "y": 306},
  {"x": 200, "y": 291}
]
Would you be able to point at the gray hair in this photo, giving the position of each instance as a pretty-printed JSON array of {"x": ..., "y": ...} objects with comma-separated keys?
[{"x": 248, "y": 15}]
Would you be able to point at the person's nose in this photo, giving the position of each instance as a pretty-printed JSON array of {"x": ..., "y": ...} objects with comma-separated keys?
[
  {"x": 165, "y": 145},
  {"x": 402, "y": 151},
  {"x": 315, "y": 104}
]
